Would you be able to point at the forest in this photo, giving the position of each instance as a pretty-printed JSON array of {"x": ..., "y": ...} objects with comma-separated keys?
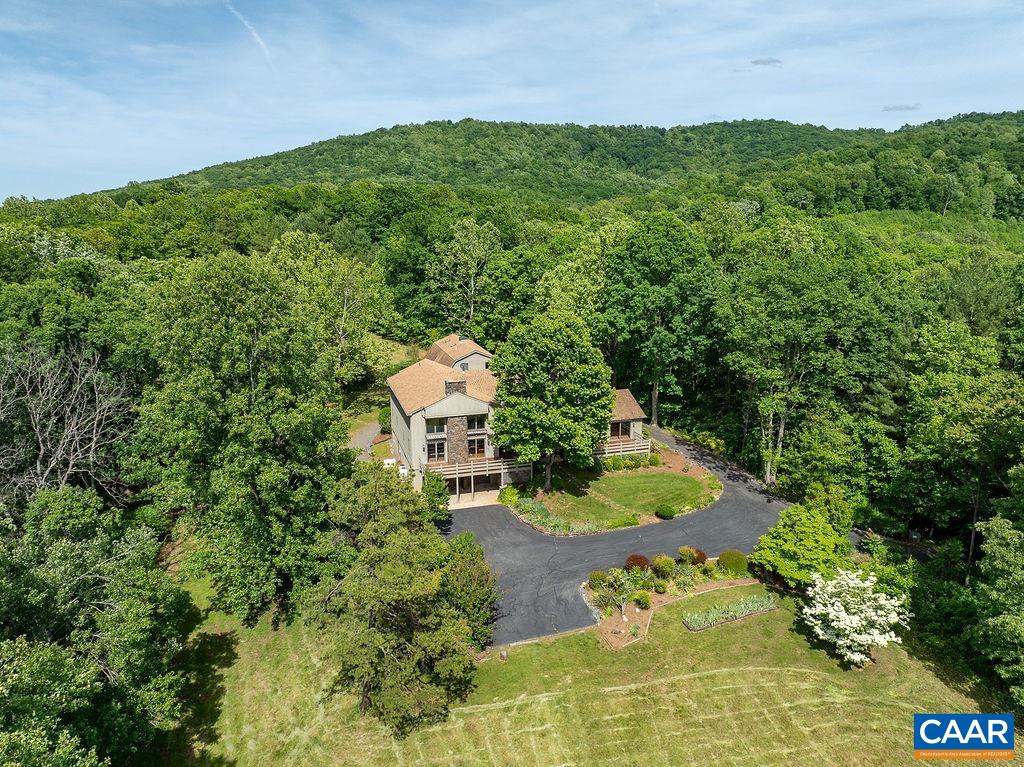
[{"x": 840, "y": 312}]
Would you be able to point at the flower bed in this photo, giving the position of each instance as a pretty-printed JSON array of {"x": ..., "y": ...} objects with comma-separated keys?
[{"x": 714, "y": 616}]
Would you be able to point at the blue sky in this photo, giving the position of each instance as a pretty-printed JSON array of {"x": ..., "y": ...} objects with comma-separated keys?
[{"x": 97, "y": 93}]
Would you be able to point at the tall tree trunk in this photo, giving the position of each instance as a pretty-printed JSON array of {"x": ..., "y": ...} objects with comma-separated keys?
[
  {"x": 548, "y": 461},
  {"x": 974, "y": 533},
  {"x": 654, "y": 404}
]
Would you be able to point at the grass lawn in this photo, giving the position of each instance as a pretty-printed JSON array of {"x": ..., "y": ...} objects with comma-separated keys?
[
  {"x": 620, "y": 498},
  {"x": 753, "y": 692}
]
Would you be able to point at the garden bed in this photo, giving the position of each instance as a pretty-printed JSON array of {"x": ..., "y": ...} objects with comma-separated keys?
[
  {"x": 624, "y": 599},
  {"x": 718, "y": 615},
  {"x": 614, "y": 633}
]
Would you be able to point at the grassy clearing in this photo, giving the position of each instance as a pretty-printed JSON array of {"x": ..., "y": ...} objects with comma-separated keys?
[
  {"x": 752, "y": 692},
  {"x": 620, "y": 498}
]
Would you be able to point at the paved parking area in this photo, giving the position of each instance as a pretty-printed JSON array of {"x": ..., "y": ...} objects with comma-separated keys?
[{"x": 540, "y": 574}]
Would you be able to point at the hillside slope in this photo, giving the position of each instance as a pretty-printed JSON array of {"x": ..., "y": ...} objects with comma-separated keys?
[{"x": 563, "y": 162}]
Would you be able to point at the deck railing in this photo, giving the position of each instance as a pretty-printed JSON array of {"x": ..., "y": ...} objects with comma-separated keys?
[
  {"x": 476, "y": 467},
  {"x": 623, "y": 447}
]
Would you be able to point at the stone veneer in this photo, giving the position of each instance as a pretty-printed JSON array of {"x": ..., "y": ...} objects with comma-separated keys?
[{"x": 458, "y": 450}]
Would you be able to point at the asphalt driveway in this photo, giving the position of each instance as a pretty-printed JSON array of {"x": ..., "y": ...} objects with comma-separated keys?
[{"x": 540, "y": 575}]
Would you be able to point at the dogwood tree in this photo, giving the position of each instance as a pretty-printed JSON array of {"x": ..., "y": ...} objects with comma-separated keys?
[{"x": 851, "y": 615}]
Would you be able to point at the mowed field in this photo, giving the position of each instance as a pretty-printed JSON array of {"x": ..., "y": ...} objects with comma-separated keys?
[{"x": 748, "y": 693}]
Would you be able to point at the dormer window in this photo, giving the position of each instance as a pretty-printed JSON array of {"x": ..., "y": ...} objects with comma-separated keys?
[{"x": 464, "y": 365}]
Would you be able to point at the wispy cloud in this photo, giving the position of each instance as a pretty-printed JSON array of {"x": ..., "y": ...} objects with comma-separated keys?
[
  {"x": 252, "y": 31},
  {"x": 901, "y": 107},
  {"x": 767, "y": 61}
]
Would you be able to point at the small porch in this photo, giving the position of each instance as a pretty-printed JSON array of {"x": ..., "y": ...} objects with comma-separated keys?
[{"x": 623, "y": 446}]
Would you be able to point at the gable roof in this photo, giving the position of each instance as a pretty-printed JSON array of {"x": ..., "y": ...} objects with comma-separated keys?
[
  {"x": 626, "y": 407},
  {"x": 422, "y": 384},
  {"x": 452, "y": 348}
]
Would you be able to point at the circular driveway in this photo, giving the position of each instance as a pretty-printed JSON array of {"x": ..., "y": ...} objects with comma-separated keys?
[{"x": 540, "y": 575}]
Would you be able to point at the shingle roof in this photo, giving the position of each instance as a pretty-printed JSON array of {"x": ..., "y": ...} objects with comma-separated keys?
[
  {"x": 451, "y": 349},
  {"x": 626, "y": 407},
  {"x": 422, "y": 384}
]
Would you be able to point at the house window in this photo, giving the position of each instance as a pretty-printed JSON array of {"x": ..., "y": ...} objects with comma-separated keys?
[
  {"x": 464, "y": 365},
  {"x": 620, "y": 429},
  {"x": 475, "y": 448},
  {"x": 475, "y": 422},
  {"x": 436, "y": 425},
  {"x": 435, "y": 451}
]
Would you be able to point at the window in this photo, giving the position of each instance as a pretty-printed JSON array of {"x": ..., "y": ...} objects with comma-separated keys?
[
  {"x": 620, "y": 429},
  {"x": 475, "y": 448},
  {"x": 464, "y": 365},
  {"x": 435, "y": 451},
  {"x": 436, "y": 425},
  {"x": 474, "y": 422}
]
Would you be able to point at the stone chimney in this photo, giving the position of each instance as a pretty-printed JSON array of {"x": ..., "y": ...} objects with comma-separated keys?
[{"x": 450, "y": 387}]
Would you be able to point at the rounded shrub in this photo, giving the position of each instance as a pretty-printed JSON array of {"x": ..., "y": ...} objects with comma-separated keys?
[
  {"x": 664, "y": 511},
  {"x": 642, "y": 599},
  {"x": 654, "y": 460},
  {"x": 637, "y": 561},
  {"x": 691, "y": 556},
  {"x": 663, "y": 565},
  {"x": 597, "y": 579},
  {"x": 733, "y": 561},
  {"x": 660, "y": 586}
]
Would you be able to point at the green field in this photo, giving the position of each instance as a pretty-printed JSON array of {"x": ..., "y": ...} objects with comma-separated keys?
[
  {"x": 753, "y": 692},
  {"x": 618, "y": 499}
]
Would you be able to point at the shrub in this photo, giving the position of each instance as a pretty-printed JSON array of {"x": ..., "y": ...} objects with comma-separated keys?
[
  {"x": 509, "y": 496},
  {"x": 801, "y": 543},
  {"x": 384, "y": 420},
  {"x": 641, "y": 579},
  {"x": 637, "y": 562},
  {"x": 733, "y": 561},
  {"x": 597, "y": 579},
  {"x": 664, "y": 511},
  {"x": 660, "y": 587},
  {"x": 663, "y": 565},
  {"x": 642, "y": 599},
  {"x": 850, "y": 614},
  {"x": 654, "y": 460},
  {"x": 687, "y": 555},
  {"x": 628, "y": 520},
  {"x": 684, "y": 577}
]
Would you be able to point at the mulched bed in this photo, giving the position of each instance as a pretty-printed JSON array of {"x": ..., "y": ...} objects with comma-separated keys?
[{"x": 614, "y": 632}]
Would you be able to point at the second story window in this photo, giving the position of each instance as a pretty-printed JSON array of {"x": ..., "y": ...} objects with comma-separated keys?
[
  {"x": 435, "y": 451},
  {"x": 435, "y": 425},
  {"x": 476, "y": 422},
  {"x": 475, "y": 448}
]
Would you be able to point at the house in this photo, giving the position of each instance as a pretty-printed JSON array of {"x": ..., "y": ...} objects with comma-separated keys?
[{"x": 441, "y": 409}]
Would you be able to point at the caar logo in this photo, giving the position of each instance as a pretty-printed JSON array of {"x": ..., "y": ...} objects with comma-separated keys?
[{"x": 963, "y": 736}]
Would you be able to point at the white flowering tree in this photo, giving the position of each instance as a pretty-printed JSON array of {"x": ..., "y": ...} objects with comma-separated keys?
[{"x": 848, "y": 613}]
